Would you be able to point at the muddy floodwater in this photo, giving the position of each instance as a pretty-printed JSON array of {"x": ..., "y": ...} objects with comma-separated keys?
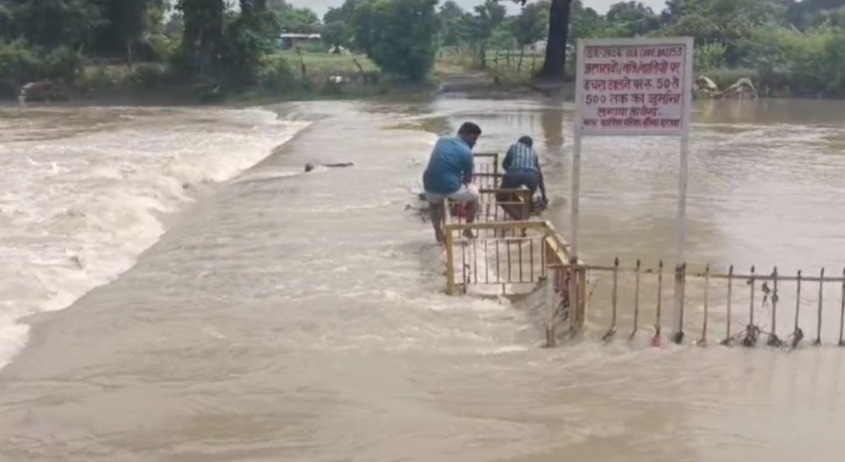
[{"x": 173, "y": 287}]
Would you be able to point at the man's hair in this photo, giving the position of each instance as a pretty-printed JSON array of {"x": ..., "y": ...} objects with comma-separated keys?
[
  {"x": 526, "y": 140},
  {"x": 469, "y": 128}
]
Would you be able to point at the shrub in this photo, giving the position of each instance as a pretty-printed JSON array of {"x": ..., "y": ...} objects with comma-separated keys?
[
  {"x": 146, "y": 76},
  {"x": 18, "y": 64},
  {"x": 276, "y": 74},
  {"x": 399, "y": 35}
]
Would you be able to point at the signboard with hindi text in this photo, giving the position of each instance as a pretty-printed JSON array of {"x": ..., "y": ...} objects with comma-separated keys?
[{"x": 634, "y": 86}]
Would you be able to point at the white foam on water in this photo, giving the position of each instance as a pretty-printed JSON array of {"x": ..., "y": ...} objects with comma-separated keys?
[{"x": 79, "y": 204}]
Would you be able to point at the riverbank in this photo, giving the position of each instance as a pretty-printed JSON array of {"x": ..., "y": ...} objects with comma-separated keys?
[{"x": 284, "y": 77}]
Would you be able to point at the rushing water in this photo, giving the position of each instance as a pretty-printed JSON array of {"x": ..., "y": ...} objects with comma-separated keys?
[{"x": 297, "y": 317}]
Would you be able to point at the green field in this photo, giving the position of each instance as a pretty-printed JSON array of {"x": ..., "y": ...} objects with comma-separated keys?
[{"x": 319, "y": 66}]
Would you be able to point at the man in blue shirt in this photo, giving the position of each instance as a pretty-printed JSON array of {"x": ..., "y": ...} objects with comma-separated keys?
[
  {"x": 522, "y": 168},
  {"x": 449, "y": 175}
]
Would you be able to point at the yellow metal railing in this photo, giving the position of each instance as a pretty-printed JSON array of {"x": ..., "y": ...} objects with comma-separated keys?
[
  {"x": 518, "y": 257},
  {"x": 513, "y": 258},
  {"x": 731, "y": 307},
  {"x": 486, "y": 173}
]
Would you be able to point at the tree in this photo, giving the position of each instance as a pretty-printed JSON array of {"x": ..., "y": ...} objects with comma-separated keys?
[
  {"x": 554, "y": 63},
  {"x": 585, "y": 22},
  {"x": 631, "y": 19},
  {"x": 293, "y": 19},
  {"x": 334, "y": 35},
  {"x": 398, "y": 35},
  {"x": 174, "y": 26},
  {"x": 529, "y": 26},
  {"x": 202, "y": 35},
  {"x": 51, "y": 23},
  {"x": 719, "y": 21},
  {"x": 345, "y": 15},
  {"x": 125, "y": 23},
  {"x": 450, "y": 23},
  {"x": 488, "y": 16}
]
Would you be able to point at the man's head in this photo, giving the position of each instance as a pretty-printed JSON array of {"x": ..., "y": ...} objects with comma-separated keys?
[
  {"x": 526, "y": 140},
  {"x": 469, "y": 132}
]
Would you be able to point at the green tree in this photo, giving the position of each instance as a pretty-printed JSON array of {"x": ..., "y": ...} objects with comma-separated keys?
[
  {"x": 293, "y": 19},
  {"x": 125, "y": 25},
  {"x": 530, "y": 26},
  {"x": 631, "y": 19},
  {"x": 202, "y": 36},
  {"x": 488, "y": 16},
  {"x": 51, "y": 23},
  {"x": 398, "y": 35},
  {"x": 720, "y": 21},
  {"x": 554, "y": 63},
  {"x": 345, "y": 15},
  {"x": 334, "y": 35},
  {"x": 585, "y": 23},
  {"x": 451, "y": 24}
]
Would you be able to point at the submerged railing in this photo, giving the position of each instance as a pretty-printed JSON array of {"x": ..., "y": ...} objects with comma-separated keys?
[
  {"x": 516, "y": 258},
  {"x": 513, "y": 258},
  {"x": 728, "y": 306},
  {"x": 486, "y": 173},
  {"x": 510, "y": 255}
]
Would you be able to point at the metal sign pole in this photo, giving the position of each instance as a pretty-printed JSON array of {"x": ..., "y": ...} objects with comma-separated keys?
[
  {"x": 575, "y": 199},
  {"x": 634, "y": 87},
  {"x": 681, "y": 224}
]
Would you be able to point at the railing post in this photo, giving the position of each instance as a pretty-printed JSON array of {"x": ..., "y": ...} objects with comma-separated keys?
[
  {"x": 551, "y": 277},
  {"x": 450, "y": 260},
  {"x": 578, "y": 296},
  {"x": 680, "y": 286}
]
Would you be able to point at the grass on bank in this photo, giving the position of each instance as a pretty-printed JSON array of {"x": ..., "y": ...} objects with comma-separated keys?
[
  {"x": 509, "y": 68},
  {"x": 283, "y": 76}
]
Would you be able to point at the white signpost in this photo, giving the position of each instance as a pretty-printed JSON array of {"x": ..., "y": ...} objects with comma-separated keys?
[{"x": 635, "y": 87}]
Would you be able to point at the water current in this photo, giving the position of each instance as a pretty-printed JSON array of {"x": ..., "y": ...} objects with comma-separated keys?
[{"x": 243, "y": 310}]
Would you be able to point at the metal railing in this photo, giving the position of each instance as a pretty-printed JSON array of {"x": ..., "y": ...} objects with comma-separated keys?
[
  {"x": 507, "y": 257},
  {"x": 514, "y": 258},
  {"x": 493, "y": 205},
  {"x": 733, "y": 307},
  {"x": 486, "y": 173}
]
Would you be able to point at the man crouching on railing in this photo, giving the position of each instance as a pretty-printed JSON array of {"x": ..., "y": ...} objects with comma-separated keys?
[
  {"x": 449, "y": 175},
  {"x": 522, "y": 169}
]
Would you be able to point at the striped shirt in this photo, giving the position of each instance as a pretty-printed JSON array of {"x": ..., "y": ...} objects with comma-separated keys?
[{"x": 521, "y": 157}]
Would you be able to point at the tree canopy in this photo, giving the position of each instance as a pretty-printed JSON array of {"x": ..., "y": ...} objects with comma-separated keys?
[{"x": 788, "y": 46}]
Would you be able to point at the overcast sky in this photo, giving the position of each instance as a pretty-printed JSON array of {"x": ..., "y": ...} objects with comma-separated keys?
[{"x": 320, "y": 6}]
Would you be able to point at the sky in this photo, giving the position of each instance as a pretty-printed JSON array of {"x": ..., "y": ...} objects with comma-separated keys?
[{"x": 320, "y": 6}]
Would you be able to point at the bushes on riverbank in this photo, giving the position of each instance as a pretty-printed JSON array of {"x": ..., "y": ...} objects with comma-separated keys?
[
  {"x": 787, "y": 48},
  {"x": 282, "y": 75}
]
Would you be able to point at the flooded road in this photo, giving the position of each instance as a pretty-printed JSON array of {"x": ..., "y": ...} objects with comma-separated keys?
[{"x": 298, "y": 317}]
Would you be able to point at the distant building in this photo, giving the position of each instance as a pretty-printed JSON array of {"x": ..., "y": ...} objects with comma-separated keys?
[
  {"x": 288, "y": 40},
  {"x": 538, "y": 47}
]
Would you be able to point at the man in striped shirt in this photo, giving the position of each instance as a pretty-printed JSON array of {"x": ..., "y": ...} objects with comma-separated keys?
[{"x": 522, "y": 168}]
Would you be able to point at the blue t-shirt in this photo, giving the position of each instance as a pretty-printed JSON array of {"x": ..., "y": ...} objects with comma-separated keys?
[{"x": 450, "y": 163}]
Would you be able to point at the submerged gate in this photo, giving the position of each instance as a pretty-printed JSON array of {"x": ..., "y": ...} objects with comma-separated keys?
[
  {"x": 629, "y": 301},
  {"x": 513, "y": 258}
]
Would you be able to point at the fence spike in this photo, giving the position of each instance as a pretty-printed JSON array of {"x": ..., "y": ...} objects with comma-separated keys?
[
  {"x": 614, "y": 299},
  {"x": 821, "y": 306},
  {"x": 797, "y": 333},
  {"x": 703, "y": 340},
  {"x": 774, "y": 341},
  {"x": 751, "y": 330},
  {"x": 842, "y": 314},
  {"x": 728, "y": 339},
  {"x": 636, "y": 298},
  {"x": 657, "y": 341}
]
